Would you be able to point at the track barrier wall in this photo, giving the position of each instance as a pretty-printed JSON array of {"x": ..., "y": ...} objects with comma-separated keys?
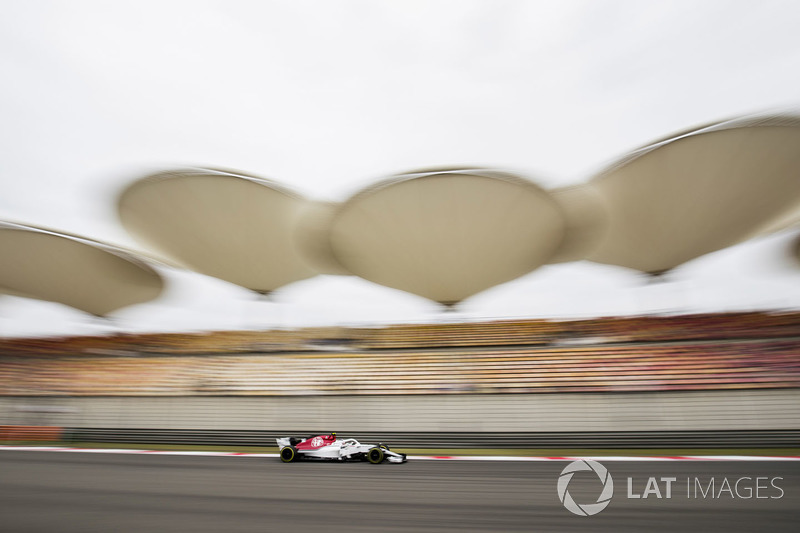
[
  {"x": 609, "y": 439},
  {"x": 751, "y": 418},
  {"x": 591, "y": 439},
  {"x": 32, "y": 433}
]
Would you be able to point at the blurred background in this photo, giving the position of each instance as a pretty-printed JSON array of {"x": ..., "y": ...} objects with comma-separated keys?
[
  {"x": 330, "y": 98},
  {"x": 620, "y": 177}
]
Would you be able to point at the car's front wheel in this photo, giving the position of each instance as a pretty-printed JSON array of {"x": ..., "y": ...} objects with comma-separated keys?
[
  {"x": 288, "y": 454},
  {"x": 375, "y": 455}
]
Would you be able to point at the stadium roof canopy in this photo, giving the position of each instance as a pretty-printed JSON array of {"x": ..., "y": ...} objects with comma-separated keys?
[
  {"x": 585, "y": 221},
  {"x": 313, "y": 240},
  {"x": 94, "y": 277},
  {"x": 232, "y": 226},
  {"x": 700, "y": 191},
  {"x": 795, "y": 248},
  {"x": 446, "y": 234}
]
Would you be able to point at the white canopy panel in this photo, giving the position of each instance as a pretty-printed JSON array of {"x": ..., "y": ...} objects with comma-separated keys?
[
  {"x": 446, "y": 234},
  {"x": 232, "y": 226},
  {"x": 94, "y": 277},
  {"x": 689, "y": 195}
]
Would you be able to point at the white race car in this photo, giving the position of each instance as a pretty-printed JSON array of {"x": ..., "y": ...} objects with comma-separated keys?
[{"x": 328, "y": 447}]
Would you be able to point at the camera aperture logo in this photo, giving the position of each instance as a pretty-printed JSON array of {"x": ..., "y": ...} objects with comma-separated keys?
[{"x": 586, "y": 509}]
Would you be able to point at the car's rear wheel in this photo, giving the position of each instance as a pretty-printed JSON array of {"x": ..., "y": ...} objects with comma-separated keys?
[
  {"x": 288, "y": 454},
  {"x": 375, "y": 455}
]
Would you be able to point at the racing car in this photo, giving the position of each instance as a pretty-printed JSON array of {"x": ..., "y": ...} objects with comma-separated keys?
[{"x": 328, "y": 447}]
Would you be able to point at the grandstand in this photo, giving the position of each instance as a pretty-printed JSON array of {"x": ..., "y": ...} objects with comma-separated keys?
[
  {"x": 715, "y": 351},
  {"x": 613, "y": 368},
  {"x": 505, "y": 333},
  {"x": 635, "y": 364}
]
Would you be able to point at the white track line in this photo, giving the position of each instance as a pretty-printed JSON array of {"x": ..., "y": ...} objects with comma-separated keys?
[{"x": 417, "y": 457}]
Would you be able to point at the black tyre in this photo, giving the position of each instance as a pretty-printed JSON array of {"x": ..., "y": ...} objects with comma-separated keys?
[
  {"x": 375, "y": 455},
  {"x": 288, "y": 454}
]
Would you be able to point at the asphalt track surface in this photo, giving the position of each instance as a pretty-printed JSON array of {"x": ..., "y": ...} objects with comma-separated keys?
[{"x": 66, "y": 492}]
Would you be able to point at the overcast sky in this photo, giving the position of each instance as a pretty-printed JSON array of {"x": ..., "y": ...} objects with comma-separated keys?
[{"x": 327, "y": 97}]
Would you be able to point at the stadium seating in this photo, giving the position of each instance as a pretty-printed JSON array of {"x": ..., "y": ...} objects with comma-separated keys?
[{"x": 700, "y": 352}]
